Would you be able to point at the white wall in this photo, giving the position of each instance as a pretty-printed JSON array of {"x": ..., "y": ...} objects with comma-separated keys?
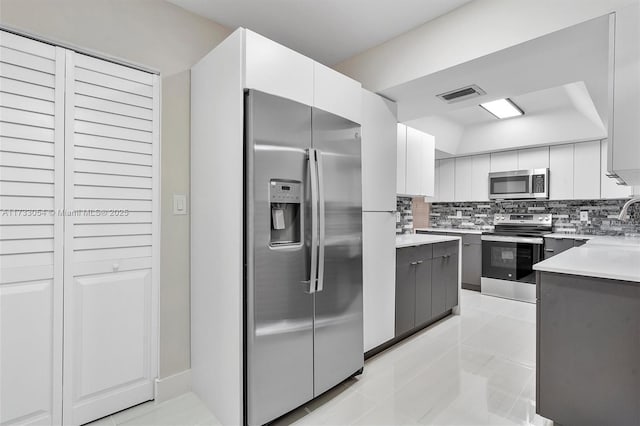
[
  {"x": 165, "y": 37},
  {"x": 474, "y": 30}
]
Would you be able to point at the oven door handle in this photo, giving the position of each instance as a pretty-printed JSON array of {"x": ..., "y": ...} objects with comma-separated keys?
[{"x": 509, "y": 239}]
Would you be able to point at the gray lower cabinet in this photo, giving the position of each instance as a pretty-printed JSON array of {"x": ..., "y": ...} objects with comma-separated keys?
[
  {"x": 553, "y": 246},
  {"x": 588, "y": 350},
  {"x": 444, "y": 277},
  {"x": 471, "y": 257},
  {"x": 471, "y": 261},
  {"x": 405, "y": 289},
  {"x": 426, "y": 284}
]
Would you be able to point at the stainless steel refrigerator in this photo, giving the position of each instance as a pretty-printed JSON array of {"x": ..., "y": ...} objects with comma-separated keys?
[{"x": 303, "y": 254}]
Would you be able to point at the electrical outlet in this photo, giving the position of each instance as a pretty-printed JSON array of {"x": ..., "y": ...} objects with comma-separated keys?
[
  {"x": 459, "y": 213},
  {"x": 584, "y": 216}
]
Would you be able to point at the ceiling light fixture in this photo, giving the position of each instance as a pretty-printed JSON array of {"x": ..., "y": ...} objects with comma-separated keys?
[{"x": 502, "y": 108}]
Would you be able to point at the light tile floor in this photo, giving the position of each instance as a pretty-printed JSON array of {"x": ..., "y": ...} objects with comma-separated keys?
[{"x": 477, "y": 368}]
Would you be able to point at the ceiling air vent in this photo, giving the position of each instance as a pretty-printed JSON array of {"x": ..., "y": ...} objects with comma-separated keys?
[{"x": 461, "y": 94}]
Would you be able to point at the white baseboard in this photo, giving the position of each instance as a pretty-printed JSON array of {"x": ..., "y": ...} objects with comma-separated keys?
[{"x": 172, "y": 386}]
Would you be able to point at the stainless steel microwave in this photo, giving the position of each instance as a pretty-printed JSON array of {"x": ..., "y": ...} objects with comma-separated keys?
[{"x": 519, "y": 184}]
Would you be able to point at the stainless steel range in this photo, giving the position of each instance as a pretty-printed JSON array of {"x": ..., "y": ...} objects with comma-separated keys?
[{"x": 509, "y": 253}]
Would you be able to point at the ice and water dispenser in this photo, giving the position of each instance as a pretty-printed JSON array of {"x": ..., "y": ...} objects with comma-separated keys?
[{"x": 285, "y": 198}]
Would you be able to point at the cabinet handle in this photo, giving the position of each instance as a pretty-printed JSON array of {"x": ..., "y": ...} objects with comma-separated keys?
[
  {"x": 419, "y": 262},
  {"x": 466, "y": 244},
  {"x": 413, "y": 263},
  {"x": 549, "y": 250}
]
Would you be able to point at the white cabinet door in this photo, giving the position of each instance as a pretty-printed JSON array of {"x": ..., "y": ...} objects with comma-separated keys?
[
  {"x": 415, "y": 154},
  {"x": 278, "y": 70},
  {"x": 31, "y": 253},
  {"x": 608, "y": 186},
  {"x": 623, "y": 121},
  {"x": 336, "y": 93},
  {"x": 401, "y": 159},
  {"x": 447, "y": 180},
  {"x": 586, "y": 173},
  {"x": 428, "y": 164},
  {"x": 379, "y": 145},
  {"x": 533, "y": 158},
  {"x": 379, "y": 263},
  {"x": 436, "y": 183},
  {"x": 463, "y": 171},
  {"x": 480, "y": 168},
  {"x": 111, "y": 250},
  {"x": 561, "y": 172},
  {"x": 504, "y": 161}
]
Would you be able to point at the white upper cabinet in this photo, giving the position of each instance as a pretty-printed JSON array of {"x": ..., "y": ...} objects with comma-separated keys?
[
  {"x": 337, "y": 93},
  {"x": 273, "y": 68},
  {"x": 429, "y": 158},
  {"x": 463, "y": 179},
  {"x": 504, "y": 161},
  {"x": 436, "y": 183},
  {"x": 415, "y": 161},
  {"x": 609, "y": 188},
  {"x": 401, "y": 159},
  {"x": 278, "y": 70},
  {"x": 533, "y": 158},
  {"x": 561, "y": 172},
  {"x": 624, "y": 130},
  {"x": 586, "y": 173},
  {"x": 447, "y": 179},
  {"x": 379, "y": 145},
  {"x": 480, "y": 168}
]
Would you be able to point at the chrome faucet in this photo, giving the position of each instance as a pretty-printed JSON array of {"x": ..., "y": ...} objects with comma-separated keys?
[{"x": 623, "y": 212}]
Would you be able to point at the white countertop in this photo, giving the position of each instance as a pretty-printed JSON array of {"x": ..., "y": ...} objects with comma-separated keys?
[
  {"x": 560, "y": 235},
  {"x": 408, "y": 240},
  {"x": 615, "y": 241},
  {"x": 612, "y": 261},
  {"x": 452, "y": 230}
]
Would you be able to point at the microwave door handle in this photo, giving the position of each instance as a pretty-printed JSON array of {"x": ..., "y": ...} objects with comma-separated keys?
[
  {"x": 313, "y": 270},
  {"x": 321, "y": 221}
]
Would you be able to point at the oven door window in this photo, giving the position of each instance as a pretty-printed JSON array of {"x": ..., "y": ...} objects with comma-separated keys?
[
  {"x": 510, "y": 185},
  {"x": 509, "y": 261}
]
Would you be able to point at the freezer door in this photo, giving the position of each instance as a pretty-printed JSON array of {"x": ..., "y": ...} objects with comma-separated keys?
[
  {"x": 279, "y": 308},
  {"x": 338, "y": 343}
]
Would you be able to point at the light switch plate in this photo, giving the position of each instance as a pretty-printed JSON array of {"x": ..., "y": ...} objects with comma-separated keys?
[
  {"x": 584, "y": 216},
  {"x": 179, "y": 204}
]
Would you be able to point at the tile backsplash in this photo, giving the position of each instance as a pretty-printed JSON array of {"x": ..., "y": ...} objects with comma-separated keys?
[{"x": 566, "y": 215}]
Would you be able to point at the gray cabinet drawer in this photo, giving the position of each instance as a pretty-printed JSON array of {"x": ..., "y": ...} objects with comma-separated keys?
[
  {"x": 470, "y": 238},
  {"x": 553, "y": 246}
]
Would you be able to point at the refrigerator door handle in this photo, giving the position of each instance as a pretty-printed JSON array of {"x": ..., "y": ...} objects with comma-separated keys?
[
  {"x": 313, "y": 174},
  {"x": 321, "y": 217}
]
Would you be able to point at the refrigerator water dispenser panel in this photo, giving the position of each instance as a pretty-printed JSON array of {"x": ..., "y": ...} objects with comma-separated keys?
[{"x": 285, "y": 198}]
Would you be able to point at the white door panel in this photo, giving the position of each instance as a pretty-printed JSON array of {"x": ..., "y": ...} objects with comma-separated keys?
[
  {"x": 533, "y": 158},
  {"x": 379, "y": 263},
  {"x": 463, "y": 179},
  {"x": 110, "y": 294},
  {"x": 480, "y": 168},
  {"x": 31, "y": 188},
  {"x": 586, "y": 173},
  {"x": 401, "y": 159},
  {"x": 504, "y": 161},
  {"x": 379, "y": 146},
  {"x": 113, "y": 352},
  {"x": 26, "y": 338},
  {"x": 561, "y": 172}
]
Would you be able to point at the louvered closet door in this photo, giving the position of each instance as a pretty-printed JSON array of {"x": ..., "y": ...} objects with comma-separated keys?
[
  {"x": 111, "y": 176},
  {"x": 31, "y": 189}
]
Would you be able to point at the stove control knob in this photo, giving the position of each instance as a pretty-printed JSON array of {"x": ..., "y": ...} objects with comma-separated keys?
[{"x": 541, "y": 219}]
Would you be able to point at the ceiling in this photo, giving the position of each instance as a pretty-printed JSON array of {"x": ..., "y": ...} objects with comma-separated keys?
[
  {"x": 560, "y": 80},
  {"x": 328, "y": 31}
]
